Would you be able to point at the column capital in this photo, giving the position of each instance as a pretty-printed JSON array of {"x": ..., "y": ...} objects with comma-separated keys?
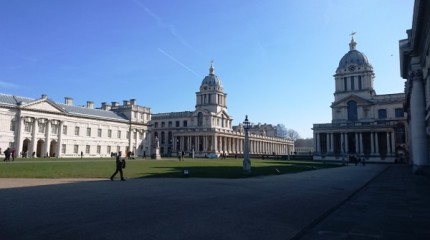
[{"x": 416, "y": 74}]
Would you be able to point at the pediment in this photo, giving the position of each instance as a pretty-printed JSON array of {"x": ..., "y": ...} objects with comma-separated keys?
[
  {"x": 43, "y": 106},
  {"x": 359, "y": 100}
]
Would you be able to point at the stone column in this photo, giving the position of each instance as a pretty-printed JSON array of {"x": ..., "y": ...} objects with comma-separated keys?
[
  {"x": 59, "y": 137},
  {"x": 372, "y": 143},
  {"x": 19, "y": 133},
  {"x": 318, "y": 149},
  {"x": 417, "y": 120},
  {"x": 35, "y": 123},
  {"x": 377, "y": 152},
  {"x": 388, "y": 143},
  {"x": 47, "y": 137}
]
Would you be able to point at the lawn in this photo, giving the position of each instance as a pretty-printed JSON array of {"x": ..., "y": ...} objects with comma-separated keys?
[{"x": 139, "y": 168}]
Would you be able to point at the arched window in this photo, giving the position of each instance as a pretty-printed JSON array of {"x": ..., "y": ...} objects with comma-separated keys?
[
  {"x": 352, "y": 111},
  {"x": 200, "y": 119}
]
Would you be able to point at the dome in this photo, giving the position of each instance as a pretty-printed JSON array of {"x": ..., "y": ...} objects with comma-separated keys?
[
  {"x": 211, "y": 81},
  {"x": 353, "y": 57}
]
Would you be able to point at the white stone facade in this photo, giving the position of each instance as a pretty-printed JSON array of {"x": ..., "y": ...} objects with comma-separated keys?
[
  {"x": 415, "y": 68},
  {"x": 43, "y": 128},
  {"x": 47, "y": 128},
  {"x": 364, "y": 124},
  {"x": 208, "y": 130}
]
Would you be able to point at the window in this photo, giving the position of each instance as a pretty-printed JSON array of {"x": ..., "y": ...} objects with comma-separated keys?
[
  {"x": 127, "y": 134},
  {"x": 177, "y": 123},
  {"x": 88, "y": 132},
  {"x": 200, "y": 119},
  {"x": 109, "y": 133},
  {"x": 27, "y": 127},
  {"x": 118, "y": 149},
  {"x": 359, "y": 83},
  {"x": 42, "y": 127},
  {"x": 12, "y": 125},
  {"x": 184, "y": 123},
  {"x": 399, "y": 112},
  {"x": 345, "y": 84},
  {"x": 54, "y": 129},
  {"x": 352, "y": 111},
  {"x": 163, "y": 124},
  {"x": 76, "y": 131},
  {"x": 99, "y": 132},
  {"x": 87, "y": 149},
  {"x": 99, "y": 148},
  {"x": 170, "y": 124},
  {"x": 352, "y": 83},
  {"x": 135, "y": 135},
  {"x": 63, "y": 148},
  {"x": 75, "y": 149},
  {"x": 108, "y": 149},
  {"x": 382, "y": 113},
  {"x": 156, "y": 125},
  {"x": 119, "y": 134},
  {"x": 65, "y": 130}
]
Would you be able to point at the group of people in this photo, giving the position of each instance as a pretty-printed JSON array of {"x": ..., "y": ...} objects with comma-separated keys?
[
  {"x": 181, "y": 156},
  {"x": 357, "y": 160},
  {"x": 8, "y": 154}
]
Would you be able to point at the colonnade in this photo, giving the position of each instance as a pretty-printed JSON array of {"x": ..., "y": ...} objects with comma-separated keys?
[
  {"x": 203, "y": 144},
  {"x": 361, "y": 143}
]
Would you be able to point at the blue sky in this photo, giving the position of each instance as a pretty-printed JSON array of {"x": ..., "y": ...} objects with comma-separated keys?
[{"x": 275, "y": 58}]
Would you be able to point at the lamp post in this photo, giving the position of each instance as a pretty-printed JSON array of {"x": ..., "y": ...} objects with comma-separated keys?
[{"x": 246, "y": 160}]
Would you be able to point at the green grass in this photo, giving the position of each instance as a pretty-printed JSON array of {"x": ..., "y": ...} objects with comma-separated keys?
[{"x": 103, "y": 168}]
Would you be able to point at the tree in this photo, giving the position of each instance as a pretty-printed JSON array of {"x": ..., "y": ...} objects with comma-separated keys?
[
  {"x": 281, "y": 131},
  {"x": 292, "y": 134}
]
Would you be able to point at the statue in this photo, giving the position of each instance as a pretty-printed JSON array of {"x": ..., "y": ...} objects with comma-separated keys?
[{"x": 157, "y": 143}]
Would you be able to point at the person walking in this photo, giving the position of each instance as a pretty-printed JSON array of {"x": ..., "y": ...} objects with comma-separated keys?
[
  {"x": 7, "y": 155},
  {"x": 120, "y": 164}
]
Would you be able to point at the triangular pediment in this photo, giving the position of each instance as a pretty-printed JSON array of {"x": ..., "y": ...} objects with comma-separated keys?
[
  {"x": 344, "y": 101},
  {"x": 223, "y": 113},
  {"x": 43, "y": 106}
]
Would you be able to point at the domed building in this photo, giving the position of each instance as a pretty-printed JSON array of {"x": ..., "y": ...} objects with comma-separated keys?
[
  {"x": 208, "y": 130},
  {"x": 44, "y": 128},
  {"x": 364, "y": 125}
]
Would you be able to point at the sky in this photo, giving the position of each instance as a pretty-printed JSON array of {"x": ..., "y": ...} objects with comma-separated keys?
[{"x": 275, "y": 58}]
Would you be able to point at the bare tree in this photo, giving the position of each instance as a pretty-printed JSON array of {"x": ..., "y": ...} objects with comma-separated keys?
[
  {"x": 292, "y": 134},
  {"x": 281, "y": 130}
]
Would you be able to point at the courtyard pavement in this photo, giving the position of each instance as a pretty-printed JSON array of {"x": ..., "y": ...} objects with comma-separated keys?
[{"x": 353, "y": 202}]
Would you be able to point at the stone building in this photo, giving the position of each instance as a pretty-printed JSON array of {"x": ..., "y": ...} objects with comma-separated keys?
[
  {"x": 364, "y": 124},
  {"x": 208, "y": 130},
  {"x": 49, "y": 129},
  {"x": 415, "y": 68}
]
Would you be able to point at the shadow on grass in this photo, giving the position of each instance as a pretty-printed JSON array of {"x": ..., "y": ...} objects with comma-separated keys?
[{"x": 235, "y": 172}]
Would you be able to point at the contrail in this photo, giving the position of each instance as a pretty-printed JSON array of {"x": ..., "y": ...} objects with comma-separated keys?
[
  {"x": 170, "y": 27},
  {"x": 178, "y": 62},
  {"x": 7, "y": 85}
]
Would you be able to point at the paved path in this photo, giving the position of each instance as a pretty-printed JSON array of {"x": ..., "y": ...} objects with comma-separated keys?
[
  {"x": 395, "y": 205},
  {"x": 277, "y": 207}
]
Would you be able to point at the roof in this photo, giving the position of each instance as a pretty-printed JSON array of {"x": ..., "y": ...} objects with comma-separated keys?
[{"x": 11, "y": 100}]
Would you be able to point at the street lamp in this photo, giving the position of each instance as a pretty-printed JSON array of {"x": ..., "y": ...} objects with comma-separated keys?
[{"x": 246, "y": 160}]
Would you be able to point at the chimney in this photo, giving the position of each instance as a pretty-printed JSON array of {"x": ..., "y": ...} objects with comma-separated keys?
[
  {"x": 115, "y": 104},
  {"x": 105, "y": 106},
  {"x": 90, "y": 104},
  {"x": 133, "y": 102},
  {"x": 44, "y": 96},
  {"x": 126, "y": 103},
  {"x": 68, "y": 101}
]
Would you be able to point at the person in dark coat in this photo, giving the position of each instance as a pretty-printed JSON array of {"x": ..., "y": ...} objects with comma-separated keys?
[
  {"x": 7, "y": 153},
  {"x": 120, "y": 164}
]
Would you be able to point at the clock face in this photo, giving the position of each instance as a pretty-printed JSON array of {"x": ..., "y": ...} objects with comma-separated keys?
[{"x": 351, "y": 68}]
